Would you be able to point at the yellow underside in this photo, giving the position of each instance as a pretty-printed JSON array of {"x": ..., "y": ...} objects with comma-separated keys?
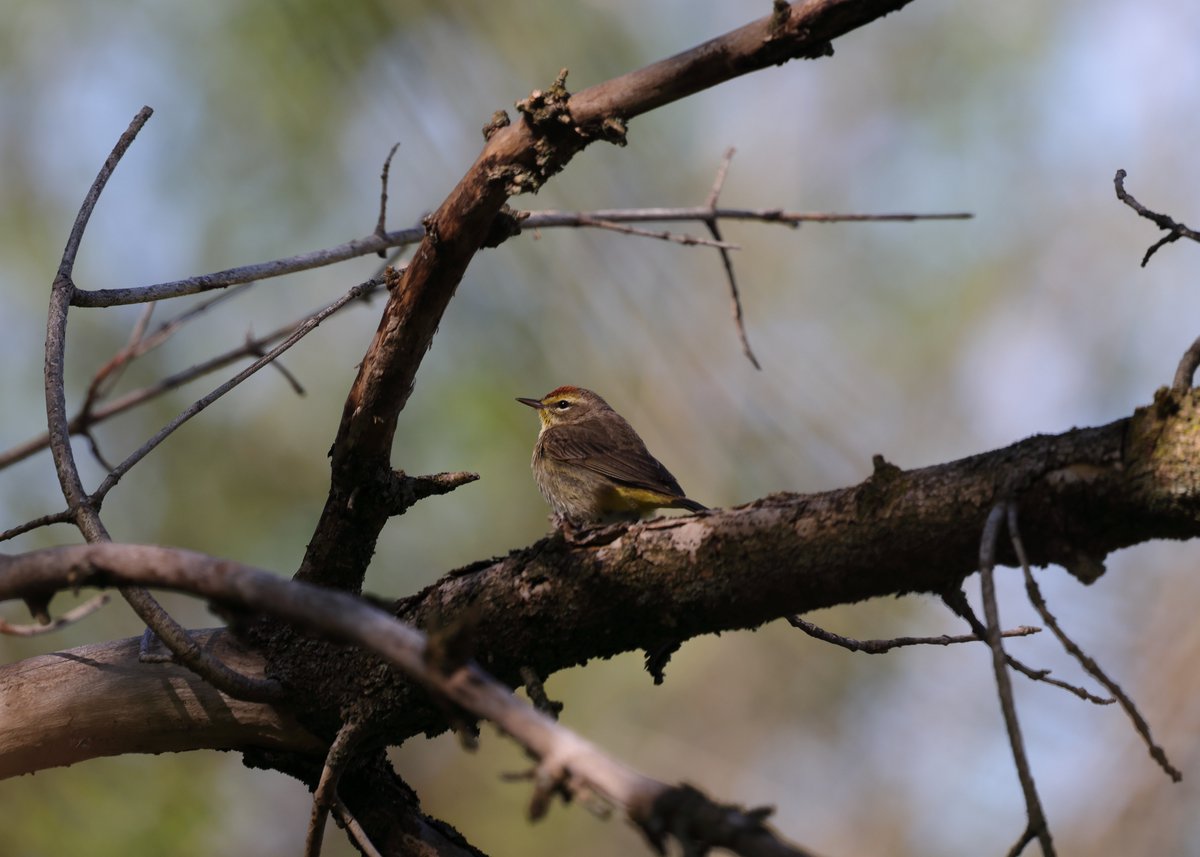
[{"x": 623, "y": 498}]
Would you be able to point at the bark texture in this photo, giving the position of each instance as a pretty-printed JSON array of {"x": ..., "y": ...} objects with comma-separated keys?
[{"x": 554, "y": 604}]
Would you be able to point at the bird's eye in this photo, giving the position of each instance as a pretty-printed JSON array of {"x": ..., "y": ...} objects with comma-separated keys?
[{"x": 562, "y": 404}]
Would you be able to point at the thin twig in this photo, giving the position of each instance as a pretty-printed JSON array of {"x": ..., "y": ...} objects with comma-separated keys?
[
  {"x": 957, "y": 602},
  {"x": 251, "y": 348},
  {"x": 87, "y": 608},
  {"x": 553, "y": 218},
  {"x": 878, "y": 647},
  {"x": 987, "y": 564},
  {"x": 1162, "y": 221},
  {"x": 369, "y": 244},
  {"x": 347, "y": 820},
  {"x": 63, "y": 517},
  {"x": 381, "y": 223},
  {"x": 714, "y": 229},
  {"x": 535, "y": 688},
  {"x": 1093, "y": 669},
  {"x": 661, "y": 235},
  {"x": 307, "y": 327},
  {"x": 325, "y": 794},
  {"x": 1186, "y": 371},
  {"x": 260, "y": 271},
  {"x": 257, "y": 351},
  {"x": 110, "y": 372}
]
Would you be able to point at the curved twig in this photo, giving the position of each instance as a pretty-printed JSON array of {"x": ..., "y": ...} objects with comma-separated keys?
[
  {"x": 87, "y": 608},
  {"x": 1185, "y": 373},
  {"x": 1175, "y": 231},
  {"x": 84, "y": 509}
]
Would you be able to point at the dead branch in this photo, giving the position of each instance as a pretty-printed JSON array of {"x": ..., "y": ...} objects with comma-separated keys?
[
  {"x": 325, "y": 795},
  {"x": 92, "y": 413},
  {"x": 101, "y": 700},
  {"x": 71, "y": 616},
  {"x": 308, "y": 326},
  {"x": 726, "y": 260},
  {"x": 1036, "y": 827},
  {"x": 1089, "y": 664},
  {"x": 1175, "y": 231},
  {"x": 879, "y": 647}
]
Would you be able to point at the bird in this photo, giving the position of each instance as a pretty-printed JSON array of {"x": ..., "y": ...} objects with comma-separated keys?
[{"x": 592, "y": 467}]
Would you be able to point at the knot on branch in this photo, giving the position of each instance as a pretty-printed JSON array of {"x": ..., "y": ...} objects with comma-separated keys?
[
  {"x": 877, "y": 488},
  {"x": 556, "y": 136},
  {"x": 787, "y": 41},
  {"x": 499, "y": 120},
  {"x": 506, "y": 224}
]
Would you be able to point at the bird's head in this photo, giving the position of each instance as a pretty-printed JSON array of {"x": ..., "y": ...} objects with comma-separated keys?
[{"x": 565, "y": 405}]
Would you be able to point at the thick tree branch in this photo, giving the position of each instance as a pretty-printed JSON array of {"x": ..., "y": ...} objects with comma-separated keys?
[
  {"x": 566, "y": 761},
  {"x": 100, "y": 700},
  {"x": 1085, "y": 493},
  {"x": 555, "y": 604}
]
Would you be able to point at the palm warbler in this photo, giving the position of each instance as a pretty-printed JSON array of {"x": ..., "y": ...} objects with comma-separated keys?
[{"x": 592, "y": 467}]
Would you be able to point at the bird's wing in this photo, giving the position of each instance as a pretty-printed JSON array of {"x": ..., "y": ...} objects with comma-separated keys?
[{"x": 611, "y": 449}]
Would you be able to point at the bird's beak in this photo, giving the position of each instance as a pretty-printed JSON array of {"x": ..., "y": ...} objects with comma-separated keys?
[{"x": 533, "y": 403}]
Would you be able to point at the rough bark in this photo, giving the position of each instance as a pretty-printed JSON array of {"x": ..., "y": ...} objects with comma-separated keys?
[{"x": 555, "y": 604}]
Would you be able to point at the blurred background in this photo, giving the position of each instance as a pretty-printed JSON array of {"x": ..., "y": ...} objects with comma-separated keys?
[{"x": 924, "y": 342}]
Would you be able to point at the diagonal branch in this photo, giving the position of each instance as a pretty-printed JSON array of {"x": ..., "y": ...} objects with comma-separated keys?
[{"x": 727, "y": 260}]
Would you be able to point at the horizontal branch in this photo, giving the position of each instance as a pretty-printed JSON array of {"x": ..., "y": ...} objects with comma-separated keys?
[
  {"x": 551, "y": 218},
  {"x": 1083, "y": 494}
]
